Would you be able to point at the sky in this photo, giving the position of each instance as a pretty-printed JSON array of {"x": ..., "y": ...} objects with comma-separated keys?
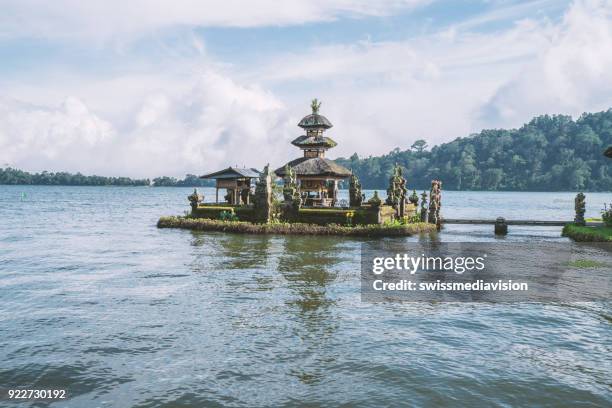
[{"x": 144, "y": 88}]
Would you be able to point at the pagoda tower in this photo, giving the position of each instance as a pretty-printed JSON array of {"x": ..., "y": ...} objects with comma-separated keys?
[{"x": 316, "y": 175}]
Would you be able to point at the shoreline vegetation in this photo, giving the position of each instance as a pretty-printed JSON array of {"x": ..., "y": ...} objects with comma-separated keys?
[
  {"x": 581, "y": 233},
  {"x": 11, "y": 176},
  {"x": 284, "y": 228},
  {"x": 16, "y": 177}
]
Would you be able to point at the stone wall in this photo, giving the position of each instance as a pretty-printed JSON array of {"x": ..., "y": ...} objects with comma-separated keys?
[{"x": 213, "y": 212}]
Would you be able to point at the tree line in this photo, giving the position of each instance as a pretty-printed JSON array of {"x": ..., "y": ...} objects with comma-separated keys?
[
  {"x": 190, "y": 180},
  {"x": 550, "y": 153},
  {"x": 13, "y": 176}
]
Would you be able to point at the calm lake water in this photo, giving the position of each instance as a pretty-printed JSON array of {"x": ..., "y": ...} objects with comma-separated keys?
[{"x": 96, "y": 300}]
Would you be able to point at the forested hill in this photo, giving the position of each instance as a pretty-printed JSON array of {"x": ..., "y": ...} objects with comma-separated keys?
[{"x": 550, "y": 153}]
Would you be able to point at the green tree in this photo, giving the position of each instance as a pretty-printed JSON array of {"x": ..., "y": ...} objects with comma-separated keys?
[
  {"x": 550, "y": 153},
  {"x": 419, "y": 145}
]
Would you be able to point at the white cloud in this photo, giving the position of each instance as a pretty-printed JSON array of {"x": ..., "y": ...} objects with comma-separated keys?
[
  {"x": 112, "y": 19},
  {"x": 383, "y": 95},
  {"x": 572, "y": 75},
  {"x": 217, "y": 123},
  {"x": 172, "y": 133},
  {"x": 36, "y": 137}
]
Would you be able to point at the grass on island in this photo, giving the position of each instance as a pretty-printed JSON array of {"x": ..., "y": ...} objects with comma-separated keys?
[
  {"x": 204, "y": 224},
  {"x": 586, "y": 263},
  {"x": 587, "y": 233}
]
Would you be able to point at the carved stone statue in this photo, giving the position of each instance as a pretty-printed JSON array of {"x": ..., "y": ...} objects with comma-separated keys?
[
  {"x": 244, "y": 195},
  {"x": 291, "y": 195},
  {"x": 355, "y": 195},
  {"x": 195, "y": 199},
  {"x": 414, "y": 198},
  {"x": 263, "y": 196},
  {"x": 375, "y": 201},
  {"x": 289, "y": 184},
  {"x": 396, "y": 193},
  {"x": 580, "y": 207}
]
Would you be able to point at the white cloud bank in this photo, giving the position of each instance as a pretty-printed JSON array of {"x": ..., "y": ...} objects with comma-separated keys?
[
  {"x": 378, "y": 95},
  {"x": 217, "y": 122},
  {"x": 572, "y": 75},
  {"x": 118, "y": 19},
  {"x": 40, "y": 137}
]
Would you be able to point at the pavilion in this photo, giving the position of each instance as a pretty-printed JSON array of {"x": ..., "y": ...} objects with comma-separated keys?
[
  {"x": 317, "y": 176},
  {"x": 237, "y": 182}
]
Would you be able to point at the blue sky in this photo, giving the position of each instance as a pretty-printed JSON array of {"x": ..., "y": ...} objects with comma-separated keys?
[{"x": 144, "y": 88}]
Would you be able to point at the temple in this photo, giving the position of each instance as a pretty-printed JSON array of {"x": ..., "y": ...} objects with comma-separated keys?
[
  {"x": 317, "y": 177},
  {"x": 310, "y": 190}
]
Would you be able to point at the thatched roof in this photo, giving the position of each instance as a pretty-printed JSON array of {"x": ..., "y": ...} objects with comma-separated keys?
[
  {"x": 315, "y": 166},
  {"x": 608, "y": 152},
  {"x": 313, "y": 141},
  {"x": 233, "y": 173},
  {"x": 314, "y": 120}
]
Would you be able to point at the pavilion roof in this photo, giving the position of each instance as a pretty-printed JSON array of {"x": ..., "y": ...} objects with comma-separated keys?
[
  {"x": 313, "y": 141},
  {"x": 233, "y": 173},
  {"x": 314, "y": 120},
  {"x": 315, "y": 166}
]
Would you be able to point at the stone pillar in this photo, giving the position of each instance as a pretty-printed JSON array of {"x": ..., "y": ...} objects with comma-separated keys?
[
  {"x": 292, "y": 200},
  {"x": 501, "y": 228},
  {"x": 580, "y": 208},
  {"x": 439, "y": 206},
  {"x": 355, "y": 194},
  {"x": 194, "y": 200},
  {"x": 424, "y": 206},
  {"x": 435, "y": 202},
  {"x": 375, "y": 203},
  {"x": 396, "y": 193}
]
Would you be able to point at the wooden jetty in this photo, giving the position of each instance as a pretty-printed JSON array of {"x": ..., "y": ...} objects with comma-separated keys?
[
  {"x": 501, "y": 224},
  {"x": 508, "y": 222}
]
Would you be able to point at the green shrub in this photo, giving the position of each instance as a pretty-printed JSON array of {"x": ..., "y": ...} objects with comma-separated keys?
[
  {"x": 587, "y": 233},
  {"x": 228, "y": 216},
  {"x": 204, "y": 224}
]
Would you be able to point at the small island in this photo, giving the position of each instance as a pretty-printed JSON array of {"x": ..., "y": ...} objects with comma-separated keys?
[
  {"x": 307, "y": 201},
  {"x": 595, "y": 230}
]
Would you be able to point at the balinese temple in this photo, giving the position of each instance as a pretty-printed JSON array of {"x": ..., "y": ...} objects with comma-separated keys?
[
  {"x": 317, "y": 176},
  {"x": 237, "y": 182}
]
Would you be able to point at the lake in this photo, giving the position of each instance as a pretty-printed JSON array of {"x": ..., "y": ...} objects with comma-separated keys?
[{"x": 98, "y": 301}]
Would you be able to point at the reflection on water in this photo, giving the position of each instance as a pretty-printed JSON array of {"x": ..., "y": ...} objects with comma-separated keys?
[
  {"x": 308, "y": 268},
  {"x": 97, "y": 300}
]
